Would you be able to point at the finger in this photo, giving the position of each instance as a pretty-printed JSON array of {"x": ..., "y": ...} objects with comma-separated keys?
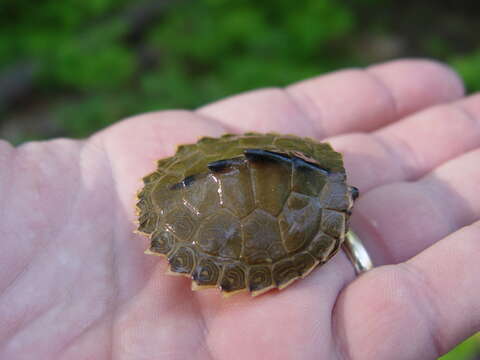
[
  {"x": 409, "y": 148},
  {"x": 431, "y": 303},
  {"x": 399, "y": 220},
  {"x": 343, "y": 101},
  {"x": 448, "y": 276}
]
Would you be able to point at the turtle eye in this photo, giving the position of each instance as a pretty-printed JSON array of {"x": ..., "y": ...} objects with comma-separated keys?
[{"x": 355, "y": 193}]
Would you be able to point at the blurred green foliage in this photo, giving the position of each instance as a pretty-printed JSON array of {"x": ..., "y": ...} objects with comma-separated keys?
[
  {"x": 97, "y": 61},
  {"x": 468, "y": 67},
  {"x": 64, "y": 39},
  {"x": 201, "y": 51},
  {"x": 468, "y": 350}
]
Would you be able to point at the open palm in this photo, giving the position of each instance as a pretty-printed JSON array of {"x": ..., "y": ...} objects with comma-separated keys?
[{"x": 75, "y": 284}]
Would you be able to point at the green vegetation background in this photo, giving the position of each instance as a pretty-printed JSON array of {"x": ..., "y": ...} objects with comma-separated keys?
[{"x": 71, "y": 67}]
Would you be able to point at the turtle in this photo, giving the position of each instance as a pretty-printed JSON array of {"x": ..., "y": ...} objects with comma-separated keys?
[{"x": 247, "y": 212}]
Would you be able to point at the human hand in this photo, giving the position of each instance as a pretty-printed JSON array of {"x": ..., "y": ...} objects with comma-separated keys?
[{"x": 75, "y": 284}]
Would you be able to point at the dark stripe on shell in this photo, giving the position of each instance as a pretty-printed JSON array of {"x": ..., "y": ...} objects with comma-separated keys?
[
  {"x": 223, "y": 165},
  {"x": 258, "y": 155},
  {"x": 189, "y": 180},
  {"x": 304, "y": 165}
]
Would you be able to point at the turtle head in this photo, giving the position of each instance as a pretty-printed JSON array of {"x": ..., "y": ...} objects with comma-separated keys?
[{"x": 354, "y": 192}]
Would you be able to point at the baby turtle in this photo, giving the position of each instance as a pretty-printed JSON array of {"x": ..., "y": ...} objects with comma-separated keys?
[{"x": 252, "y": 211}]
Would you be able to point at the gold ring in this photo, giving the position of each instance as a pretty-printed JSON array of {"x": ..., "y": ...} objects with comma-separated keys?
[{"x": 357, "y": 253}]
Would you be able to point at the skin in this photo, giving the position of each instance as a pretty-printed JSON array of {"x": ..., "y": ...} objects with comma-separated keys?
[{"x": 75, "y": 284}]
